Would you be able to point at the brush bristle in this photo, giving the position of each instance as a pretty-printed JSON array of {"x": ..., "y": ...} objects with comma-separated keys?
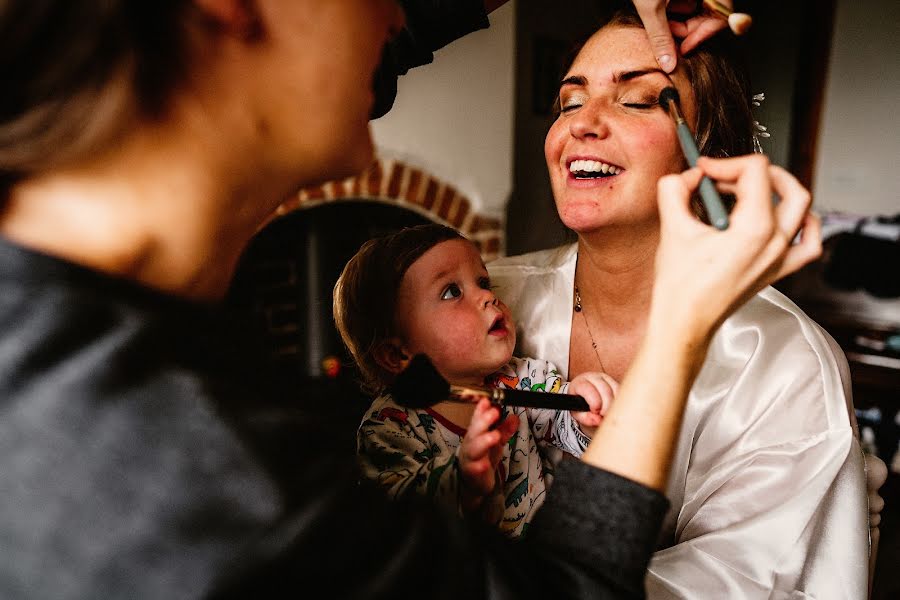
[
  {"x": 669, "y": 94},
  {"x": 419, "y": 385},
  {"x": 739, "y": 23}
]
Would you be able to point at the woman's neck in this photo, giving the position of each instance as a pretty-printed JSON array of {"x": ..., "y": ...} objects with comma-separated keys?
[
  {"x": 615, "y": 273},
  {"x": 162, "y": 210},
  {"x": 614, "y": 277}
]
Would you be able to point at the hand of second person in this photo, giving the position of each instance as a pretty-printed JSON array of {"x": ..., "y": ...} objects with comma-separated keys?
[
  {"x": 703, "y": 274},
  {"x": 660, "y": 30}
]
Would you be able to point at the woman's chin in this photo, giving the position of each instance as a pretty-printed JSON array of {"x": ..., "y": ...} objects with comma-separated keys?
[{"x": 582, "y": 218}]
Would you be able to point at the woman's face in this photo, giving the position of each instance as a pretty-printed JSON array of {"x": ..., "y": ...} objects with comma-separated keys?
[
  {"x": 320, "y": 59},
  {"x": 612, "y": 142}
]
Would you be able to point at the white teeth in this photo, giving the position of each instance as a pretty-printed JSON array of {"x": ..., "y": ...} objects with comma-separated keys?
[{"x": 593, "y": 166}]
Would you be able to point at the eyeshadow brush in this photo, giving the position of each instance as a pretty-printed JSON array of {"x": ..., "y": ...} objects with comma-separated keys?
[
  {"x": 420, "y": 386},
  {"x": 715, "y": 209}
]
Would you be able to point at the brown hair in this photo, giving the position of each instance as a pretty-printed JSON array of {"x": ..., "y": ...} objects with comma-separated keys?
[
  {"x": 365, "y": 295},
  {"x": 721, "y": 90},
  {"x": 74, "y": 73}
]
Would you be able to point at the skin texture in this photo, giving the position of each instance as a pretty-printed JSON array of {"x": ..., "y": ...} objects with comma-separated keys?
[
  {"x": 614, "y": 120},
  {"x": 446, "y": 309}
]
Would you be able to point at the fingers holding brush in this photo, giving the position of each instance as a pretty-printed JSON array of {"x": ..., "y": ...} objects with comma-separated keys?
[
  {"x": 481, "y": 448},
  {"x": 727, "y": 267},
  {"x": 697, "y": 30},
  {"x": 711, "y": 17}
]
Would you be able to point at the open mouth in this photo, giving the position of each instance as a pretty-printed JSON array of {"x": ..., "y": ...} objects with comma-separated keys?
[
  {"x": 498, "y": 326},
  {"x": 593, "y": 169}
]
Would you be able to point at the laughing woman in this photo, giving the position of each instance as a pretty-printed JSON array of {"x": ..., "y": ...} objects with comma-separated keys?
[{"x": 767, "y": 489}]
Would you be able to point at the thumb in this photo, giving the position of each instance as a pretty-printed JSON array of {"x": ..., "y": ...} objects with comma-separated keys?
[{"x": 653, "y": 15}]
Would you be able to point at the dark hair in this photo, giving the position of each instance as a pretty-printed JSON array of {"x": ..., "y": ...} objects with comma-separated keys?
[
  {"x": 365, "y": 295},
  {"x": 74, "y": 73}
]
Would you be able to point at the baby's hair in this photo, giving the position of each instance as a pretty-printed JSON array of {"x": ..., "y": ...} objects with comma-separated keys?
[{"x": 365, "y": 295}]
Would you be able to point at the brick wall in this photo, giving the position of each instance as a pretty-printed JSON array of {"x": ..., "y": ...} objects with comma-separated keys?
[{"x": 394, "y": 182}]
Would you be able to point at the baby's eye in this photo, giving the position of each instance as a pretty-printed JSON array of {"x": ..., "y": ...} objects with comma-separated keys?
[
  {"x": 485, "y": 283},
  {"x": 451, "y": 291}
]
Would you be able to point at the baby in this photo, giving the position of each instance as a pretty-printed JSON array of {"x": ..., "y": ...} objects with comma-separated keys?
[{"x": 426, "y": 290}]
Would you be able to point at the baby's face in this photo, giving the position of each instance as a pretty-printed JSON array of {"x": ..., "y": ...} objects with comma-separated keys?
[{"x": 446, "y": 309}]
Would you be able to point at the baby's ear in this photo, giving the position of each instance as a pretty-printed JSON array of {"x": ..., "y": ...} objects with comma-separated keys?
[{"x": 392, "y": 356}]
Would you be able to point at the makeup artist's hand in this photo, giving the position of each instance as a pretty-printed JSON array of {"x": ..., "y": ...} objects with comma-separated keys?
[
  {"x": 703, "y": 274},
  {"x": 480, "y": 452},
  {"x": 660, "y": 30},
  {"x": 598, "y": 389}
]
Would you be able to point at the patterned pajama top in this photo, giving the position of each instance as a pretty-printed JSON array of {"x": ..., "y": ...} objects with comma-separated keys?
[{"x": 410, "y": 451}]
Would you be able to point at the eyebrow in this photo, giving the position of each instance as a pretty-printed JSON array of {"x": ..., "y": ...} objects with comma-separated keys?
[
  {"x": 629, "y": 75},
  {"x": 441, "y": 275},
  {"x": 618, "y": 77},
  {"x": 447, "y": 272}
]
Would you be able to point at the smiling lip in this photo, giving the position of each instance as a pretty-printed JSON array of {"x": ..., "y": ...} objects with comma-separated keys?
[
  {"x": 498, "y": 327},
  {"x": 605, "y": 171}
]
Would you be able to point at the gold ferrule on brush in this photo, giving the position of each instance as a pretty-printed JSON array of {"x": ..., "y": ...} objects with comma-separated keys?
[{"x": 675, "y": 111}]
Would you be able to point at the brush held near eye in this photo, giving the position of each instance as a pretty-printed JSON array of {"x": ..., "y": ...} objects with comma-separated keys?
[{"x": 712, "y": 202}]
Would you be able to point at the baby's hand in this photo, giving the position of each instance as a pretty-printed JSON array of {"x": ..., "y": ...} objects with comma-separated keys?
[
  {"x": 598, "y": 389},
  {"x": 481, "y": 450}
]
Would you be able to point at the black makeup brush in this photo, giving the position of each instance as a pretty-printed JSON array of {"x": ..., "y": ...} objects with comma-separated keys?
[
  {"x": 420, "y": 385},
  {"x": 715, "y": 210}
]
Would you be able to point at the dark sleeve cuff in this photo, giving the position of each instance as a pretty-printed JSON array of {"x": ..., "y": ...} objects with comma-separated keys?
[{"x": 602, "y": 521}]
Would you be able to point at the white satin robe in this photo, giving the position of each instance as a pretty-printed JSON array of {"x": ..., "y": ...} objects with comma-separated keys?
[{"x": 767, "y": 488}]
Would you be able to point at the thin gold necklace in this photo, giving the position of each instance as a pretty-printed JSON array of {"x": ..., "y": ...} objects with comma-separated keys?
[{"x": 580, "y": 309}]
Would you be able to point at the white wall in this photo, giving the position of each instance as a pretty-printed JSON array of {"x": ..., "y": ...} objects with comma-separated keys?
[
  {"x": 454, "y": 117},
  {"x": 858, "y": 160}
]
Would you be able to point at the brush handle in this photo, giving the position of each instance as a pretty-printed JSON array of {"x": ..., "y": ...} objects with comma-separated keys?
[
  {"x": 718, "y": 7},
  {"x": 715, "y": 209},
  {"x": 541, "y": 400}
]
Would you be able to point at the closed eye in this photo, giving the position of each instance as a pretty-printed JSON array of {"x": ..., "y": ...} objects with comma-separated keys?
[{"x": 642, "y": 105}]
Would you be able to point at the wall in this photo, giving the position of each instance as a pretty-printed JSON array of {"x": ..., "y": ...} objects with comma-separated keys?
[
  {"x": 858, "y": 159},
  {"x": 464, "y": 137}
]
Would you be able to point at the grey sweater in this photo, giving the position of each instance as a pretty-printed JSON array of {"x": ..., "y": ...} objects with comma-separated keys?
[{"x": 143, "y": 456}]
